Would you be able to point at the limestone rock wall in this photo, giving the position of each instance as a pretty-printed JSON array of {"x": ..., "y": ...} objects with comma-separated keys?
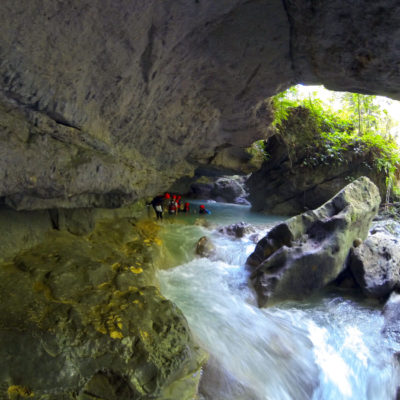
[
  {"x": 103, "y": 102},
  {"x": 346, "y": 45}
]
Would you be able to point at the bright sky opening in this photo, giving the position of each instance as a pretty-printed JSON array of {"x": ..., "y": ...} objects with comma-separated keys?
[{"x": 327, "y": 96}]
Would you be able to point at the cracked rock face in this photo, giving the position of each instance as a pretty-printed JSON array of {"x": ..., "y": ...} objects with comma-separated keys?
[{"x": 103, "y": 103}]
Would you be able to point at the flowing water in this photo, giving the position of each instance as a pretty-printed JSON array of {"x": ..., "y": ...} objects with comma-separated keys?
[{"x": 329, "y": 347}]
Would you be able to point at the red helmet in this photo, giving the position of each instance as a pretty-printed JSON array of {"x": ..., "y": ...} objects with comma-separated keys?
[
  {"x": 167, "y": 195},
  {"x": 174, "y": 196},
  {"x": 202, "y": 206}
]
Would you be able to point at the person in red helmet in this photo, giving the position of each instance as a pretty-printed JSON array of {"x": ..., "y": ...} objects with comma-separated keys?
[
  {"x": 186, "y": 208},
  {"x": 203, "y": 210}
]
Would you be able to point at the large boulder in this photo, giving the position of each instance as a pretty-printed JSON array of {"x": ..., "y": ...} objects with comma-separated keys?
[
  {"x": 303, "y": 254},
  {"x": 375, "y": 264},
  {"x": 81, "y": 317},
  {"x": 229, "y": 189}
]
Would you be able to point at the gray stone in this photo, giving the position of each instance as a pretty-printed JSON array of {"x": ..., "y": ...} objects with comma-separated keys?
[
  {"x": 205, "y": 247},
  {"x": 226, "y": 189},
  {"x": 237, "y": 230},
  {"x": 305, "y": 253},
  {"x": 375, "y": 264},
  {"x": 229, "y": 189}
]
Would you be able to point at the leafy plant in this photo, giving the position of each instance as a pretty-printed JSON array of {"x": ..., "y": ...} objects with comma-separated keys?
[{"x": 325, "y": 136}]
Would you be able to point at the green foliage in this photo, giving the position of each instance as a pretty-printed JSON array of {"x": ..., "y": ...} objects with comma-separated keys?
[
  {"x": 282, "y": 103},
  {"x": 360, "y": 127},
  {"x": 258, "y": 150},
  {"x": 261, "y": 146}
]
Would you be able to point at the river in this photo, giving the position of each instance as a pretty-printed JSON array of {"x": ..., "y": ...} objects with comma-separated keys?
[{"x": 329, "y": 347}]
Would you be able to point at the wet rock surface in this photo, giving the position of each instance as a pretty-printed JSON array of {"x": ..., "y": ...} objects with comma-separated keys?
[
  {"x": 305, "y": 253},
  {"x": 25, "y": 229},
  {"x": 216, "y": 382},
  {"x": 391, "y": 313},
  {"x": 237, "y": 230},
  {"x": 205, "y": 247},
  {"x": 82, "y": 316},
  {"x": 375, "y": 264}
]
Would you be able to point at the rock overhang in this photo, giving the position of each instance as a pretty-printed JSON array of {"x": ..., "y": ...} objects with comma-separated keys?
[{"x": 104, "y": 103}]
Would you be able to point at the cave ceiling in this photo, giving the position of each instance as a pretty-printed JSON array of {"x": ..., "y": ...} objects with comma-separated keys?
[{"x": 106, "y": 102}]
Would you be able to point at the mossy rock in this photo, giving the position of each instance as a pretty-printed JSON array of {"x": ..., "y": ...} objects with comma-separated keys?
[{"x": 82, "y": 316}]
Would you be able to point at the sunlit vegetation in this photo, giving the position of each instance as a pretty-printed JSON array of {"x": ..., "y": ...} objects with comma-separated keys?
[{"x": 349, "y": 122}]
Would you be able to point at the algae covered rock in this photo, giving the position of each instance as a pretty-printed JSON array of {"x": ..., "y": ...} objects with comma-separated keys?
[
  {"x": 81, "y": 317},
  {"x": 305, "y": 253}
]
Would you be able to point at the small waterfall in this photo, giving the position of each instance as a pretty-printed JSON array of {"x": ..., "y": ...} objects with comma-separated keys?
[{"x": 327, "y": 348}]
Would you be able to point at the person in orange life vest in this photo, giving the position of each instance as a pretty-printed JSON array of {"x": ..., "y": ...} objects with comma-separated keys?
[{"x": 203, "y": 210}]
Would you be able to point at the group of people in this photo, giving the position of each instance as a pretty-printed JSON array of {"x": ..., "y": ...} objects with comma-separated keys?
[{"x": 173, "y": 204}]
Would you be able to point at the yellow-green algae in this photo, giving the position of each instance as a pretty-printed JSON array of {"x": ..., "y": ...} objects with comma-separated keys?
[
  {"x": 15, "y": 392},
  {"x": 83, "y": 313}
]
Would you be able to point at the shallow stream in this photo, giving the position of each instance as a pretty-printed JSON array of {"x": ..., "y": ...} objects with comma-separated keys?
[{"x": 329, "y": 347}]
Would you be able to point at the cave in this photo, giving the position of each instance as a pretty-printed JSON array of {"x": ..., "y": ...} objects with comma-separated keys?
[{"x": 104, "y": 105}]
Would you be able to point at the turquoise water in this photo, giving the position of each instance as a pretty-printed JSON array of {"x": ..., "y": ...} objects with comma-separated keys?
[
  {"x": 225, "y": 213},
  {"x": 327, "y": 348}
]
